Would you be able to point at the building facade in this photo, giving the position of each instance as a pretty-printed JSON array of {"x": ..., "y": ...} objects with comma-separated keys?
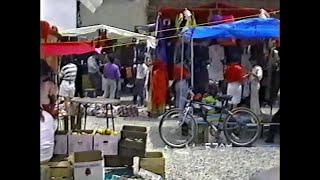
[{"x": 128, "y": 13}]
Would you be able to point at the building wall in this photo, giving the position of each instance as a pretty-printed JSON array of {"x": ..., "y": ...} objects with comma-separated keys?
[
  {"x": 123, "y": 14},
  {"x": 128, "y": 13},
  {"x": 154, "y": 5}
]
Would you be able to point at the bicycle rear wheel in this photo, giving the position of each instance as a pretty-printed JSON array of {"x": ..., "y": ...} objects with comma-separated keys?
[
  {"x": 242, "y": 127},
  {"x": 177, "y": 128}
]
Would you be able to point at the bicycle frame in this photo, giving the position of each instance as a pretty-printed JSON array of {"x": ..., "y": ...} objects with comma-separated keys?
[{"x": 224, "y": 110}]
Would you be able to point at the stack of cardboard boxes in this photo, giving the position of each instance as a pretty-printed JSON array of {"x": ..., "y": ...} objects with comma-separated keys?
[{"x": 83, "y": 155}]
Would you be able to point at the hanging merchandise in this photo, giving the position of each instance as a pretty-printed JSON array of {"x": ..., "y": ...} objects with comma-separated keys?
[
  {"x": 159, "y": 86},
  {"x": 185, "y": 19},
  {"x": 217, "y": 55},
  {"x": 215, "y": 19},
  {"x": 247, "y": 66},
  {"x": 245, "y": 63},
  {"x": 164, "y": 49},
  {"x": 264, "y": 14}
]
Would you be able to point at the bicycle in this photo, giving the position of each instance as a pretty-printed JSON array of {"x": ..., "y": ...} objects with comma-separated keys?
[{"x": 233, "y": 125}]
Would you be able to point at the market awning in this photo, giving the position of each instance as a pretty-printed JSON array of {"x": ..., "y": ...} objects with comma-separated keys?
[
  {"x": 113, "y": 32},
  {"x": 242, "y": 29},
  {"x": 66, "y": 48}
]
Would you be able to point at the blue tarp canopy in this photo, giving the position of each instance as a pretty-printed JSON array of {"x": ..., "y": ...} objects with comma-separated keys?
[{"x": 242, "y": 29}]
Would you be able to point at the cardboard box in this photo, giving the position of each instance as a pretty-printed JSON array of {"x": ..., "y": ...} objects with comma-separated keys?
[
  {"x": 88, "y": 165},
  {"x": 131, "y": 148},
  {"x": 60, "y": 170},
  {"x": 108, "y": 144},
  {"x": 61, "y": 142},
  {"x": 80, "y": 142},
  {"x": 153, "y": 162},
  {"x": 133, "y": 132},
  {"x": 117, "y": 161}
]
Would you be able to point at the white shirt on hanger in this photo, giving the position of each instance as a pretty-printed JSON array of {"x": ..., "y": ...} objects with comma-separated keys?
[
  {"x": 216, "y": 54},
  {"x": 245, "y": 63}
]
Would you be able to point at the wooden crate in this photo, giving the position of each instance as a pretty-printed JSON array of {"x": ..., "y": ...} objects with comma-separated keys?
[{"x": 153, "y": 162}]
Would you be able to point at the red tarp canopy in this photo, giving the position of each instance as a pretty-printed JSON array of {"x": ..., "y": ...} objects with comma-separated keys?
[
  {"x": 203, "y": 12},
  {"x": 66, "y": 48}
]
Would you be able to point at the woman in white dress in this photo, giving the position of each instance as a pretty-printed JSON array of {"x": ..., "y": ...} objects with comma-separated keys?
[{"x": 255, "y": 78}]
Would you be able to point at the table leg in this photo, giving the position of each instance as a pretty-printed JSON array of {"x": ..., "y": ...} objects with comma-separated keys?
[
  {"x": 85, "y": 116},
  {"x": 112, "y": 117},
  {"x": 107, "y": 117},
  {"x": 79, "y": 119}
]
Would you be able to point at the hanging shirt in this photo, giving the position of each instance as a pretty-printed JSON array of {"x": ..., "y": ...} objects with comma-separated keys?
[
  {"x": 216, "y": 54},
  {"x": 245, "y": 63}
]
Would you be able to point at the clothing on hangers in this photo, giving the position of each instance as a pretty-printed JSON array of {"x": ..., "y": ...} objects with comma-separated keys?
[{"x": 216, "y": 55}]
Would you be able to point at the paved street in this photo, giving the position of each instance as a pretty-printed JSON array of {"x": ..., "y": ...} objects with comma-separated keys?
[{"x": 198, "y": 162}]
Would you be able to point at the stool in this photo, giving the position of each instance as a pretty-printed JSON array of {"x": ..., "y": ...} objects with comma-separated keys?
[{"x": 90, "y": 92}]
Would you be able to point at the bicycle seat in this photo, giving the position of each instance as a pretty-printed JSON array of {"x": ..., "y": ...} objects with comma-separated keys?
[{"x": 224, "y": 97}]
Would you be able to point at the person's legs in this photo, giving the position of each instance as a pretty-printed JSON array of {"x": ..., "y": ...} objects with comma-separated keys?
[
  {"x": 140, "y": 89},
  {"x": 135, "y": 91},
  {"x": 106, "y": 93},
  {"x": 92, "y": 79},
  {"x": 254, "y": 99},
  {"x": 98, "y": 83},
  {"x": 113, "y": 88},
  {"x": 234, "y": 89}
]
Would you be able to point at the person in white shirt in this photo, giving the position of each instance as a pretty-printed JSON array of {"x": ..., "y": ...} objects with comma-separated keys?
[
  {"x": 68, "y": 74},
  {"x": 139, "y": 86},
  {"x": 255, "y": 78},
  {"x": 94, "y": 73},
  {"x": 48, "y": 127}
]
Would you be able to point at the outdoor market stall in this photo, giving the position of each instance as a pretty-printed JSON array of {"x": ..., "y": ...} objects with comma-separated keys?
[{"x": 252, "y": 28}]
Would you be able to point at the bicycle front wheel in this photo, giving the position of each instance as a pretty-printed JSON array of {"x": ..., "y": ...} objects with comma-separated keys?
[
  {"x": 177, "y": 128},
  {"x": 242, "y": 127}
]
